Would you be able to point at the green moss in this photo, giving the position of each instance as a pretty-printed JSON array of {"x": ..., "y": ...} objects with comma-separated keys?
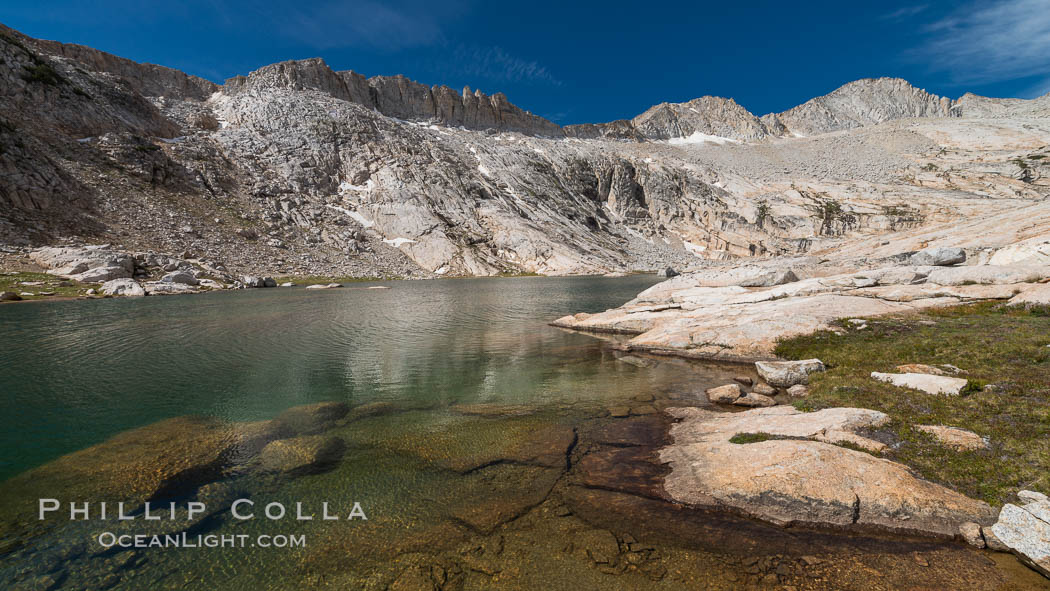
[
  {"x": 743, "y": 438},
  {"x": 1004, "y": 351},
  {"x": 50, "y": 283}
]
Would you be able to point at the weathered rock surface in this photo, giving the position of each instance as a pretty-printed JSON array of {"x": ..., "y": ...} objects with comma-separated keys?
[
  {"x": 939, "y": 256},
  {"x": 708, "y": 314},
  {"x": 427, "y": 181},
  {"x": 1034, "y": 295},
  {"x": 1026, "y": 531},
  {"x": 753, "y": 399},
  {"x": 87, "y": 264},
  {"x": 784, "y": 374},
  {"x": 122, "y": 287},
  {"x": 726, "y": 394},
  {"x": 920, "y": 368},
  {"x": 791, "y": 481},
  {"x": 954, "y": 437},
  {"x": 931, "y": 384}
]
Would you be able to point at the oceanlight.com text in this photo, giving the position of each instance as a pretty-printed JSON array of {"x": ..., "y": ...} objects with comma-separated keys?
[{"x": 184, "y": 540}]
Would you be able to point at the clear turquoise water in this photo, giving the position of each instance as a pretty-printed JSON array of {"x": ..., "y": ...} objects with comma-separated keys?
[{"x": 74, "y": 373}]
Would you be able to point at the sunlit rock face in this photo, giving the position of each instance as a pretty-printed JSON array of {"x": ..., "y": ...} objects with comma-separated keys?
[{"x": 297, "y": 168}]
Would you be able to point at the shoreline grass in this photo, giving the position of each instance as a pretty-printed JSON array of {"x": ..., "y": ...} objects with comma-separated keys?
[{"x": 1006, "y": 356}]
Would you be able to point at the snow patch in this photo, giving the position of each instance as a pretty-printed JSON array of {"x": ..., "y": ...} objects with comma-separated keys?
[
  {"x": 346, "y": 186},
  {"x": 358, "y": 217},
  {"x": 700, "y": 138},
  {"x": 397, "y": 242},
  {"x": 442, "y": 270},
  {"x": 484, "y": 171}
]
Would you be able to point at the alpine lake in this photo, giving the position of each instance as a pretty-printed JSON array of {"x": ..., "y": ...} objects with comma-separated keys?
[{"x": 406, "y": 435}]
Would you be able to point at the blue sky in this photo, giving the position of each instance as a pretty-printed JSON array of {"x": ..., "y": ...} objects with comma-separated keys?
[{"x": 579, "y": 62}]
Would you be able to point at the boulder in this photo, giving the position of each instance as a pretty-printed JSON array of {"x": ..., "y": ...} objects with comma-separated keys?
[
  {"x": 100, "y": 274},
  {"x": 971, "y": 534},
  {"x": 939, "y": 256},
  {"x": 754, "y": 400},
  {"x": 792, "y": 480},
  {"x": 122, "y": 287},
  {"x": 255, "y": 281},
  {"x": 301, "y": 455},
  {"x": 770, "y": 279},
  {"x": 668, "y": 272},
  {"x": 1026, "y": 531},
  {"x": 764, "y": 389},
  {"x": 90, "y": 264},
  {"x": 726, "y": 394},
  {"x": 180, "y": 277},
  {"x": 162, "y": 288},
  {"x": 784, "y": 374},
  {"x": 925, "y": 382},
  {"x": 9, "y": 296},
  {"x": 955, "y": 438},
  {"x": 798, "y": 391}
]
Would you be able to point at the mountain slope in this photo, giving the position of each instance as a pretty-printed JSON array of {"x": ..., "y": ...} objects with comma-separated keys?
[{"x": 298, "y": 169}]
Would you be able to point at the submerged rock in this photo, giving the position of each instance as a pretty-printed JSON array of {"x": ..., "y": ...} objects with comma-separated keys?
[
  {"x": 309, "y": 419},
  {"x": 795, "y": 481},
  {"x": 301, "y": 455},
  {"x": 784, "y": 374},
  {"x": 157, "y": 461},
  {"x": 930, "y": 384}
]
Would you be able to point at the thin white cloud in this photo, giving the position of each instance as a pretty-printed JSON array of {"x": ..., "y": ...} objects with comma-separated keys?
[
  {"x": 905, "y": 12},
  {"x": 386, "y": 26},
  {"x": 493, "y": 63},
  {"x": 992, "y": 42}
]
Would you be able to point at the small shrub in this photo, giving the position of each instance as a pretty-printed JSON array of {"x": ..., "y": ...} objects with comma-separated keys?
[
  {"x": 42, "y": 73},
  {"x": 742, "y": 438}
]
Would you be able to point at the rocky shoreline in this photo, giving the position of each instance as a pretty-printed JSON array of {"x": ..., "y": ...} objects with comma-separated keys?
[{"x": 820, "y": 469}]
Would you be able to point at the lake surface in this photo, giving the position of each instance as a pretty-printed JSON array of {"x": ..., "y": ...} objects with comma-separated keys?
[
  {"x": 488, "y": 449},
  {"x": 73, "y": 374}
]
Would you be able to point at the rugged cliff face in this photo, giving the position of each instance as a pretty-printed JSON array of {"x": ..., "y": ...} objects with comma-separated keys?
[{"x": 297, "y": 168}]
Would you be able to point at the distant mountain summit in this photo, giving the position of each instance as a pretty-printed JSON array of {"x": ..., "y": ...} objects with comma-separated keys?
[
  {"x": 857, "y": 104},
  {"x": 299, "y": 169}
]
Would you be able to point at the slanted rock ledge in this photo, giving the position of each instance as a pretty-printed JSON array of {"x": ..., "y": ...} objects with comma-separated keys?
[{"x": 795, "y": 480}]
